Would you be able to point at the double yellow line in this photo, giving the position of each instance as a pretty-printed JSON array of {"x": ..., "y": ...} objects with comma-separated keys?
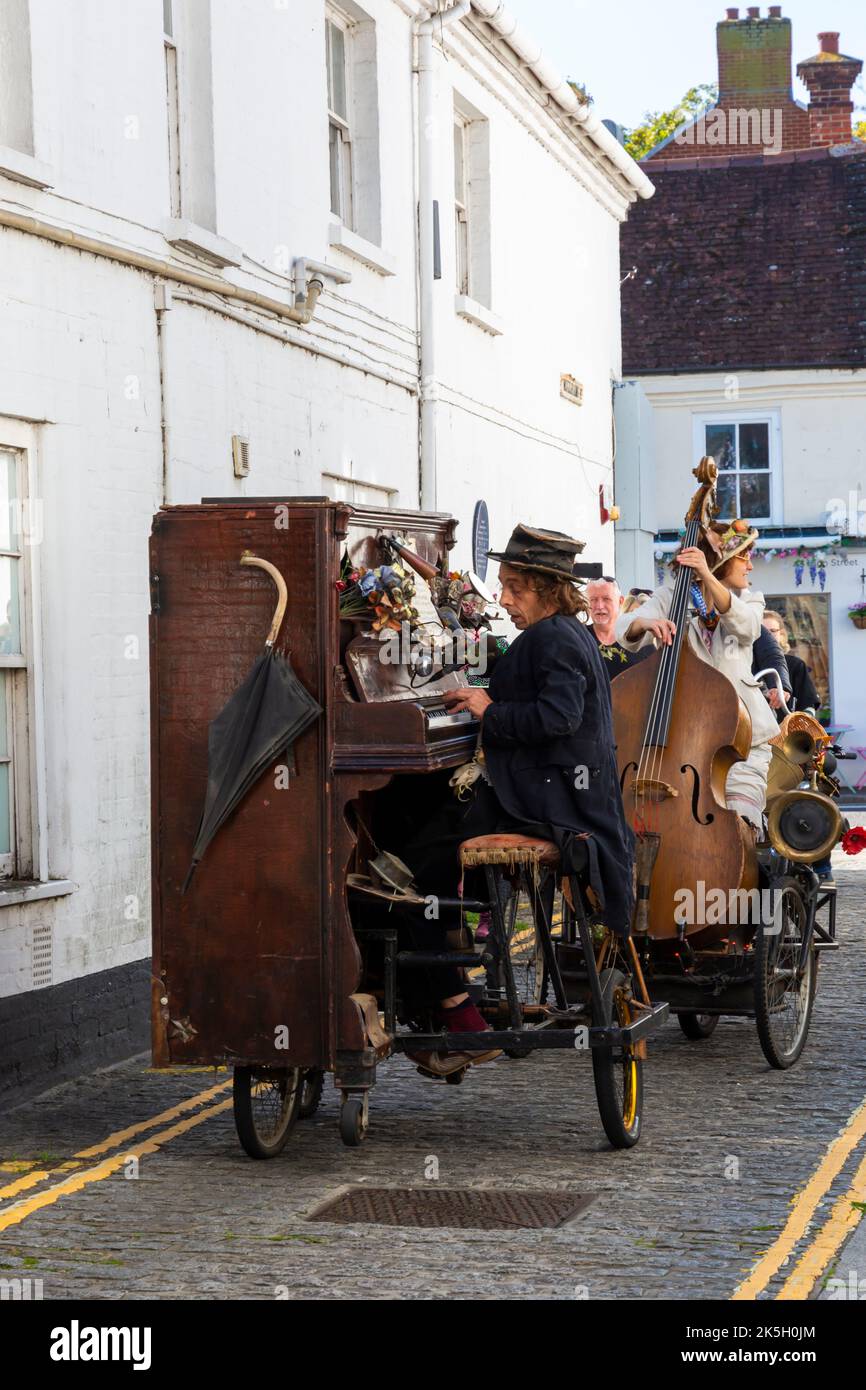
[
  {"x": 19, "y": 1210},
  {"x": 842, "y": 1220}
]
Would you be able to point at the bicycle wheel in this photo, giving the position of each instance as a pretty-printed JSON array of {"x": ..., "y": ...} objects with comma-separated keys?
[
  {"x": 311, "y": 1092},
  {"x": 784, "y": 990},
  {"x": 266, "y": 1102},
  {"x": 617, "y": 1072}
]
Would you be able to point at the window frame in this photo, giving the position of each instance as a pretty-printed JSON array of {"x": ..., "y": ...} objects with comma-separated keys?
[
  {"x": 341, "y": 126},
  {"x": 770, "y": 417},
  {"x": 17, "y": 125},
  {"x": 462, "y": 208},
  {"x": 22, "y": 679},
  {"x": 475, "y": 301},
  {"x": 172, "y": 111}
]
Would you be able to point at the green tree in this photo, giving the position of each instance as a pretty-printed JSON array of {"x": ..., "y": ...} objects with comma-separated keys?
[
  {"x": 860, "y": 130},
  {"x": 658, "y": 125}
]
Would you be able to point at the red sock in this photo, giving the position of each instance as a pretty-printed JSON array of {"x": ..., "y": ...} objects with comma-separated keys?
[{"x": 462, "y": 1018}]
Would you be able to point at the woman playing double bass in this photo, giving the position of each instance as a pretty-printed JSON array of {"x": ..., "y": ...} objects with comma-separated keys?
[{"x": 725, "y": 621}]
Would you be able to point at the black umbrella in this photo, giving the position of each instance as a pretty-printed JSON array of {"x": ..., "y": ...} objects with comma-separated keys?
[{"x": 263, "y": 718}]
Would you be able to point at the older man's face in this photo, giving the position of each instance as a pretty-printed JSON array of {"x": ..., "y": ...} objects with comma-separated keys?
[{"x": 604, "y": 601}]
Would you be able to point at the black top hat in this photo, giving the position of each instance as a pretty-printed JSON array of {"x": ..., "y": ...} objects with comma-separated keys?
[{"x": 549, "y": 552}]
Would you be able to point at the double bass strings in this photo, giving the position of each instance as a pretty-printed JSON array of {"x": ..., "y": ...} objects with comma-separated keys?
[
  {"x": 662, "y": 701},
  {"x": 667, "y": 681}
]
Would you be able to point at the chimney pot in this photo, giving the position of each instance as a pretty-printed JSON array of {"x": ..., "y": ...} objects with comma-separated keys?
[
  {"x": 775, "y": 12},
  {"x": 829, "y": 42},
  {"x": 754, "y": 12},
  {"x": 732, "y": 14}
]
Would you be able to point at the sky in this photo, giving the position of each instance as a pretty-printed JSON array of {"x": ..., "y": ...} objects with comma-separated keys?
[{"x": 635, "y": 56}]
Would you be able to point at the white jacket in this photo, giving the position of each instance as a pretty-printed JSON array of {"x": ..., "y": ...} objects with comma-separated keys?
[{"x": 731, "y": 650}]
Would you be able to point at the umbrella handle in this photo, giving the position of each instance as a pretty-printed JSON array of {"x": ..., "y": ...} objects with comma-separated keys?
[{"x": 279, "y": 612}]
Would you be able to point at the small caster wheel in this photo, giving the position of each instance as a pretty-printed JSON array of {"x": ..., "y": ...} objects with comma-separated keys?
[
  {"x": 353, "y": 1120},
  {"x": 454, "y": 1078},
  {"x": 311, "y": 1092},
  {"x": 698, "y": 1026},
  {"x": 515, "y": 1053}
]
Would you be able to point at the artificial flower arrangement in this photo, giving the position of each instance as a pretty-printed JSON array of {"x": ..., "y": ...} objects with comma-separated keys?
[{"x": 384, "y": 594}]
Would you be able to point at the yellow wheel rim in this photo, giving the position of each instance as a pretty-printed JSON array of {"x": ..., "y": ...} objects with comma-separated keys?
[{"x": 629, "y": 1072}]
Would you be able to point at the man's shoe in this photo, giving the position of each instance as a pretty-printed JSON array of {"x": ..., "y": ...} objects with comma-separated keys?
[
  {"x": 439, "y": 1064},
  {"x": 463, "y": 1018}
]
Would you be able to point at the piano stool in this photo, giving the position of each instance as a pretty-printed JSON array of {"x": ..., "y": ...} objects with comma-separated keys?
[{"x": 529, "y": 864}]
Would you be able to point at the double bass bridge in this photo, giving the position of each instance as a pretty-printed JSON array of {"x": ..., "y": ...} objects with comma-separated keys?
[{"x": 652, "y": 789}]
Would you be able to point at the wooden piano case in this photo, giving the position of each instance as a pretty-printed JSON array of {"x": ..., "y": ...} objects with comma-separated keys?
[{"x": 257, "y": 963}]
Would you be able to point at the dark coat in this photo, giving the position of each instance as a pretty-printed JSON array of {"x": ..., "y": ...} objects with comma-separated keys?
[
  {"x": 551, "y": 719},
  {"x": 767, "y": 652},
  {"x": 804, "y": 691}
]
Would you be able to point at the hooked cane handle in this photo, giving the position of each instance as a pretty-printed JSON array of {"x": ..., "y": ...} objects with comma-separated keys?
[{"x": 279, "y": 612}]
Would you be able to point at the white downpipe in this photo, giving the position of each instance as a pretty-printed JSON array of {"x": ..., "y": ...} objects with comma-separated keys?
[
  {"x": 429, "y": 384},
  {"x": 500, "y": 18}
]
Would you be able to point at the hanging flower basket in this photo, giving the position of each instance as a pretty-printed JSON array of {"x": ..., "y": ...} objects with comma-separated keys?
[{"x": 857, "y": 614}]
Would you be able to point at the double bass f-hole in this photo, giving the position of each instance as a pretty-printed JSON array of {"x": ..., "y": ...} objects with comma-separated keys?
[
  {"x": 696, "y": 789},
  {"x": 696, "y": 792},
  {"x": 624, "y": 774}
]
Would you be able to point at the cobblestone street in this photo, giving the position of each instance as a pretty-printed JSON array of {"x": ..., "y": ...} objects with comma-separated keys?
[{"x": 201, "y": 1220}]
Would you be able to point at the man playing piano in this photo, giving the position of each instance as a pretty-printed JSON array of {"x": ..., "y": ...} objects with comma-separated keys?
[{"x": 549, "y": 765}]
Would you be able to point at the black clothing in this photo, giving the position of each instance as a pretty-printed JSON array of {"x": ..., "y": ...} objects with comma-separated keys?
[
  {"x": 548, "y": 742},
  {"x": 805, "y": 694},
  {"x": 616, "y": 659},
  {"x": 767, "y": 652},
  {"x": 433, "y": 854},
  {"x": 550, "y": 756}
]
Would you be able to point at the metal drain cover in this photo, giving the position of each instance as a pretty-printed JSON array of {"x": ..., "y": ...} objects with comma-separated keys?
[{"x": 475, "y": 1208}]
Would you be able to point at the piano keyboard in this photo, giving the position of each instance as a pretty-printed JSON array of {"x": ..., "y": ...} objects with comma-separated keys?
[{"x": 439, "y": 717}]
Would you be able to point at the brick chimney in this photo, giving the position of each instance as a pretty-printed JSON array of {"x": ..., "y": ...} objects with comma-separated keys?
[
  {"x": 756, "y": 113},
  {"x": 830, "y": 75},
  {"x": 754, "y": 58}
]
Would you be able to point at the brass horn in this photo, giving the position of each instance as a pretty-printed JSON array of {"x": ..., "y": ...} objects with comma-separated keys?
[
  {"x": 803, "y": 825},
  {"x": 799, "y": 746},
  {"x": 799, "y": 740}
]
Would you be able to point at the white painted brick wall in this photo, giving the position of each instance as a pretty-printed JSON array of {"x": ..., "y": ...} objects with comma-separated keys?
[{"x": 78, "y": 349}]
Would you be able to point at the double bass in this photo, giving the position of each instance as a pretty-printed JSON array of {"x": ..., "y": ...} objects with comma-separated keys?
[{"x": 680, "y": 725}]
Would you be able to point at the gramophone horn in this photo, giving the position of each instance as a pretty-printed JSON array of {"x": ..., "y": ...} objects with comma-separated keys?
[
  {"x": 803, "y": 825},
  {"x": 799, "y": 746}
]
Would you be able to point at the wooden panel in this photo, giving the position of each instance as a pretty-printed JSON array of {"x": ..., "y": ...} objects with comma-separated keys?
[{"x": 240, "y": 955}]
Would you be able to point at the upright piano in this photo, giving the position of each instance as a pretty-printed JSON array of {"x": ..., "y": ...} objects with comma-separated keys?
[{"x": 257, "y": 963}]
